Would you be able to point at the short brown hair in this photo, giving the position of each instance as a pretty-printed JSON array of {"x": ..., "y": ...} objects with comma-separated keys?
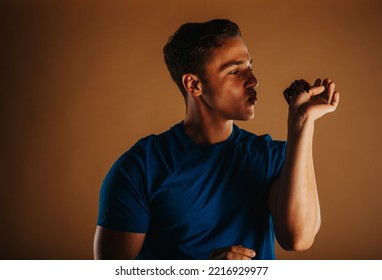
[{"x": 189, "y": 49}]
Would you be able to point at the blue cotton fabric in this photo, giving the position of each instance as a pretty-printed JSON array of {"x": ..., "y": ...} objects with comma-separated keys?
[{"x": 191, "y": 199}]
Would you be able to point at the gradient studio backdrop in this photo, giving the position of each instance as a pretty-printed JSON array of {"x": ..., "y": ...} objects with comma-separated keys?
[{"x": 82, "y": 81}]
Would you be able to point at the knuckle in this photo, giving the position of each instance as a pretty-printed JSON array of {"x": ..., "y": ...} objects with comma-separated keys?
[
  {"x": 233, "y": 248},
  {"x": 230, "y": 255}
]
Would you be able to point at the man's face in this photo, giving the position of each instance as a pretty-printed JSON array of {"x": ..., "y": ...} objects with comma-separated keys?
[{"x": 229, "y": 91}]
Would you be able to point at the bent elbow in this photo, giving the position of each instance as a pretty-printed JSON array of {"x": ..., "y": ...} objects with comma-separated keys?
[
  {"x": 303, "y": 245},
  {"x": 297, "y": 243},
  {"x": 297, "y": 238}
]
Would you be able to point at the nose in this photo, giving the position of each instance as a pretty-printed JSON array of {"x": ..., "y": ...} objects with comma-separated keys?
[{"x": 251, "y": 81}]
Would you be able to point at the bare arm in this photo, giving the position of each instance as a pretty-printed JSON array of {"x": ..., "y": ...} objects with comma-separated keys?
[
  {"x": 112, "y": 244},
  {"x": 293, "y": 198}
]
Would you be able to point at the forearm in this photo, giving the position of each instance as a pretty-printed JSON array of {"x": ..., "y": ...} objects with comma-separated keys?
[{"x": 294, "y": 200}]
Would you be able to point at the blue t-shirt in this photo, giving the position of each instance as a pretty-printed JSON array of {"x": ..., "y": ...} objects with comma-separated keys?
[{"x": 191, "y": 199}]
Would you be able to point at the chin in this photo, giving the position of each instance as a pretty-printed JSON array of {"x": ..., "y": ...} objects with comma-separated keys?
[
  {"x": 244, "y": 115},
  {"x": 250, "y": 116},
  {"x": 246, "y": 118}
]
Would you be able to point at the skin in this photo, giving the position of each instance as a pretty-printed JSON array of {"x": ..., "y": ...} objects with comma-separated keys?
[{"x": 229, "y": 94}]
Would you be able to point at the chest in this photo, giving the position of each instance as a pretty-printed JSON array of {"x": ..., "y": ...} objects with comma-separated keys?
[{"x": 206, "y": 193}]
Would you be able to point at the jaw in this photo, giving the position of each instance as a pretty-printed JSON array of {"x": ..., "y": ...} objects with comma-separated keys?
[{"x": 249, "y": 113}]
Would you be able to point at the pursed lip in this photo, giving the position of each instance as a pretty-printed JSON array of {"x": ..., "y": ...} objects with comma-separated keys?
[
  {"x": 252, "y": 100},
  {"x": 253, "y": 96}
]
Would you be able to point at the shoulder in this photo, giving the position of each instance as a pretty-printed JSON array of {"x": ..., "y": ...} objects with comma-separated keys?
[
  {"x": 250, "y": 138},
  {"x": 150, "y": 148},
  {"x": 259, "y": 147},
  {"x": 153, "y": 140}
]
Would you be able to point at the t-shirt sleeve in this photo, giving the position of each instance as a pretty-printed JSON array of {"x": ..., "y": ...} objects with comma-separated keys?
[
  {"x": 276, "y": 153},
  {"x": 123, "y": 203}
]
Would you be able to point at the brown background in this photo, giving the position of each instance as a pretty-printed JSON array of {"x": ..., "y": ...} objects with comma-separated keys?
[{"x": 81, "y": 81}]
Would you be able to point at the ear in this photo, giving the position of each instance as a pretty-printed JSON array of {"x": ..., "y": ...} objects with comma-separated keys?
[{"x": 192, "y": 84}]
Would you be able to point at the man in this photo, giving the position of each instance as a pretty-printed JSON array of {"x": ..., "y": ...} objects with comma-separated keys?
[{"x": 206, "y": 188}]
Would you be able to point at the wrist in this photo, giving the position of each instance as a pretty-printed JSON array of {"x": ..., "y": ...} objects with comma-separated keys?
[{"x": 300, "y": 125}]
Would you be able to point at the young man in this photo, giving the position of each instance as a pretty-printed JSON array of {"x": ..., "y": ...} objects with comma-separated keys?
[{"x": 206, "y": 188}]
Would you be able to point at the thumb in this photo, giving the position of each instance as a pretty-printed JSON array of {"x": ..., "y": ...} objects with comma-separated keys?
[{"x": 313, "y": 91}]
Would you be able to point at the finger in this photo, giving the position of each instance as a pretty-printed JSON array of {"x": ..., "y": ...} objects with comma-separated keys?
[
  {"x": 306, "y": 85},
  {"x": 243, "y": 251},
  {"x": 294, "y": 89},
  {"x": 329, "y": 92},
  {"x": 302, "y": 85},
  {"x": 287, "y": 94},
  {"x": 335, "y": 100},
  {"x": 316, "y": 90},
  {"x": 235, "y": 252},
  {"x": 326, "y": 82},
  {"x": 324, "y": 96},
  {"x": 317, "y": 83},
  {"x": 233, "y": 256},
  {"x": 297, "y": 86}
]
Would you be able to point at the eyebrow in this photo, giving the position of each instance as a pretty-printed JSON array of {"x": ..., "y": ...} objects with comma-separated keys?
[{"x": 232, "y": 63}]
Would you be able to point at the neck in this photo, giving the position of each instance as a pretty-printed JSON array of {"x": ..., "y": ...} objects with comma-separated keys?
[{"x": 205, "y": 130}]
